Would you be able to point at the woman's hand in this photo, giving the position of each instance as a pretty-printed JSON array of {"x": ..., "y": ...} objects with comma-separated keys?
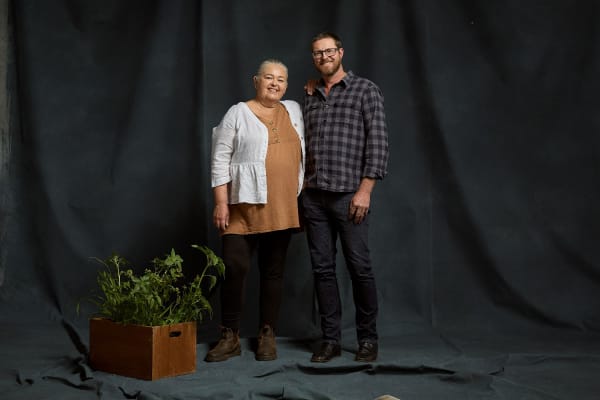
[
  {"x": 221, "y": 211},
  {"x": 221, "y": 216}
]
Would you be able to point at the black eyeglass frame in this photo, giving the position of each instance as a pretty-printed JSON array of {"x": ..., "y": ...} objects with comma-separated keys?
[{"x": 325, "y": 53}]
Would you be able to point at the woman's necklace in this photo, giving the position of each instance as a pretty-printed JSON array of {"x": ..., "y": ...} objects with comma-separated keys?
[{"x": 270, "y": 120}]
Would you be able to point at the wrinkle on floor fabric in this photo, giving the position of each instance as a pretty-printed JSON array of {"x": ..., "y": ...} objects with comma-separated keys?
[{"x": 40, "y": 361}]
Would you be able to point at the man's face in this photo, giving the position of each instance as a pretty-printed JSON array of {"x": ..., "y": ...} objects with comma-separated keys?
[{"x": 327, "y": 65}]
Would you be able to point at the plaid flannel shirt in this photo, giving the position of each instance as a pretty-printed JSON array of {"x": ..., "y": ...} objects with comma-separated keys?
[{"x": 346, "y": 135}]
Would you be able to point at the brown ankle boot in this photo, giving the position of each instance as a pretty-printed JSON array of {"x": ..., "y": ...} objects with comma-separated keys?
[
  {"x": 266, "y": 350},
  {"x": 227, "y": 347}
]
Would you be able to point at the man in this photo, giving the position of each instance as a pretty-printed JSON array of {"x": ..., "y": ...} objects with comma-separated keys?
[{"x": 346, "y": 153}]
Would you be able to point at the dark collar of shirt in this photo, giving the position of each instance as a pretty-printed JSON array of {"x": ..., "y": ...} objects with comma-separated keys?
[{"x": 345, "y": 82}]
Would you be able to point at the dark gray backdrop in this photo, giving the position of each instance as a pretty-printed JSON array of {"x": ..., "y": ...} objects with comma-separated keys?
[{"x": 489, "y": 216}]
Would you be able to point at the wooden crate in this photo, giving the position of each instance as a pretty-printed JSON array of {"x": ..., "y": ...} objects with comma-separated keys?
[{"x": 143, "y": 352}]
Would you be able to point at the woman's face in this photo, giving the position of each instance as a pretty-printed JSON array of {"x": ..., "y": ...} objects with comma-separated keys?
[{"x": 271, "y": 83}]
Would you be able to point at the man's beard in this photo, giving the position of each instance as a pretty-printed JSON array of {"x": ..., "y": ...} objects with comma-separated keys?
[{"x": 330, "y": 69}]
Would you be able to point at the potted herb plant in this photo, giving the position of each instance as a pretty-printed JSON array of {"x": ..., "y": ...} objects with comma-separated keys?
[{"x": 146, "y": 323}]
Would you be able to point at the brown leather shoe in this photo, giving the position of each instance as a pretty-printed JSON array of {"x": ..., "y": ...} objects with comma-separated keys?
[
  {"x": 367, "y": 352},
  {"x": 266, "y": 350},
  {"x": 227, "y": 347},
  {"x": 326, "y": 352}
]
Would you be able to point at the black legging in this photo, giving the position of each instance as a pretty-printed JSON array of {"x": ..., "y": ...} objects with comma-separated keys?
[{"x": 237, "y": 256}]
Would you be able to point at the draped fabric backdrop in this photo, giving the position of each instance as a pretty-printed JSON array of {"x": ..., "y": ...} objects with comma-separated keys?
[{"x": 488, "y": 220}]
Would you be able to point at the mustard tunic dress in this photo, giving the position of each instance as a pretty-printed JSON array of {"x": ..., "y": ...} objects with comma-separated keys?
[{"x": 282, "y": 165}]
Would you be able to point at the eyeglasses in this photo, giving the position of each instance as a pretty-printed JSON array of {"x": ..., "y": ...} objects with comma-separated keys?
[{"x": 327, "y": 52}]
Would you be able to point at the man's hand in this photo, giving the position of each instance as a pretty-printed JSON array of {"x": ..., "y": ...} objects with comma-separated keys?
[
  {"x": 361, "y": 201},
  {"x": 310, "y": 86},
  {"x": 359, "y": 206}
]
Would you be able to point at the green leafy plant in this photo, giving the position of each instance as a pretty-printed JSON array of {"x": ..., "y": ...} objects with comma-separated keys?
[{"x": 157, "y": 296}]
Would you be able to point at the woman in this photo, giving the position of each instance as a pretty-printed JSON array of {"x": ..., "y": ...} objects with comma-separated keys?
[{"x": 257, "y": 173}]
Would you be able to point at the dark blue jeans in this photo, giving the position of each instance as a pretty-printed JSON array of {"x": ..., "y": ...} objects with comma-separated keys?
[{"x": 326, "y": 219}]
